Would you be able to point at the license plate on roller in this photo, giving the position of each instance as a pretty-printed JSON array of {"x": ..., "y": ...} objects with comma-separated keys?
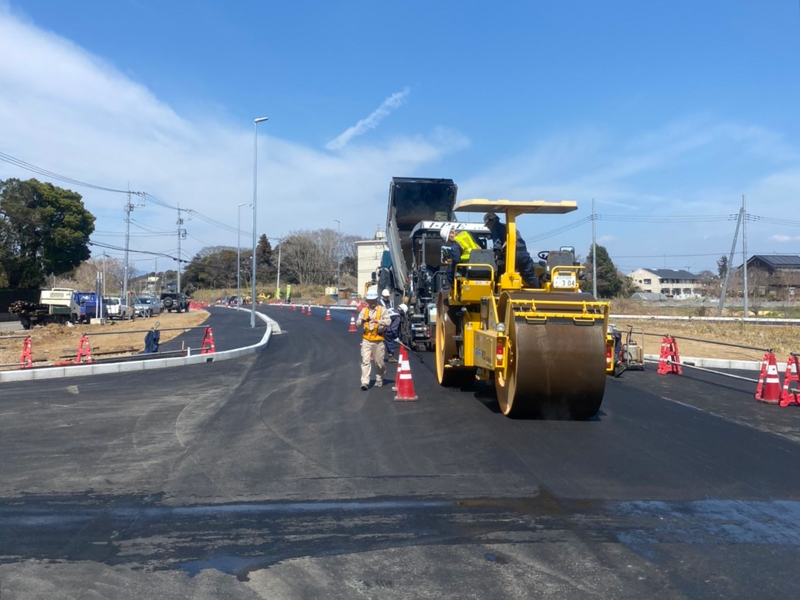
[{"x": 564, "y": 281}]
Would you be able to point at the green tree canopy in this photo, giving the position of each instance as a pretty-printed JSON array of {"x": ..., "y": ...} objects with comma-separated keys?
[
  {"x": 43, "y": 229},
  {"x": 609, "y": 281}
]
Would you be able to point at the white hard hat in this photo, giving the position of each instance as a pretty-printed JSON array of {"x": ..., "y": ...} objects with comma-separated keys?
[
  {"x": 403, "y": 307},
  {"x": 445, "y": 233},
  {"x": 372, "y": 294},
  {"x": 385, "y": 293}
]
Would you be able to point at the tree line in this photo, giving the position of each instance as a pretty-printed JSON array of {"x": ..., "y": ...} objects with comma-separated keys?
[
  {"x": 44, "y": 230},
  {"x": 306, "y": 257}
]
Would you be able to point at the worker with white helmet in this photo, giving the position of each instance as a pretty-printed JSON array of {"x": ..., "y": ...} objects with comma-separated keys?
[
  {"x": 386, "y": 299},
  {"x": 459, "y": 245},
  {"x": 375, "y": 319}
]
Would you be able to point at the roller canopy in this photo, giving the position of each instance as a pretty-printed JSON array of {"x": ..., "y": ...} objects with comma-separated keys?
[{"x": 521, "y": 206}]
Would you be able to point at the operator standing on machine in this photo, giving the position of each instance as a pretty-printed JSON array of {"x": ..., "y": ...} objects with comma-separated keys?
[
  {"x": 523, "y": 260},
  {"x": 461, "y": 245}
]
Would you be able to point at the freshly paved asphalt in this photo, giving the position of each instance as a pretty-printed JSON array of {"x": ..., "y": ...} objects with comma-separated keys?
[
  {"x": 230, "y": 329},
  {"x": 274, "y": 476}
]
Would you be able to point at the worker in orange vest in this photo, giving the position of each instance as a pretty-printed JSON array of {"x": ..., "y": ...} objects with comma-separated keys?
[{"x": 375, "y": 319}]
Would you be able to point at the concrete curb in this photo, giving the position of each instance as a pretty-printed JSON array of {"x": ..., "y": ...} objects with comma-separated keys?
[
  {"x": 144, "y": 365},
  {"x": 718, "y": 363},
  {"x": 748, "y": 320}
]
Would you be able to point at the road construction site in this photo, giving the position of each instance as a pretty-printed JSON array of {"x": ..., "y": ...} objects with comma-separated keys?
[{"x": 275, "y": 476}]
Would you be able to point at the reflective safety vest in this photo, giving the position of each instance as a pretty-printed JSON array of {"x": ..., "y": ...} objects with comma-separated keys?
[
  {"x": 371, "y": 329},
  {"x": 467, "y": 243}
]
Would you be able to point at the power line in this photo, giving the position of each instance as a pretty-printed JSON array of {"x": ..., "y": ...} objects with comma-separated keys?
[{"x": 40, "y": 171}]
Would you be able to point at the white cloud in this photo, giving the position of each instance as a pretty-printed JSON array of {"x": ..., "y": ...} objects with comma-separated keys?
[
  {"x": 371, "y": 122},
  {"x": 605, "y": 239},
  {"x": 73, "y": 113},
  {"x": 782, "y": 239}
]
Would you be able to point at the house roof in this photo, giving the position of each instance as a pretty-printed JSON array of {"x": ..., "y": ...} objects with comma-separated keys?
[
  {"x": 673, "y": 274},
  {"x": 777, "y": 261}
]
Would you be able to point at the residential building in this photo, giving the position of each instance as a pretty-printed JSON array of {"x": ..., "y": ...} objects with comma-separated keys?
[
  {"x": 369, "y": 254},
  {"x": 772, "y": 274},
  {"x": 672, "y": 283}
]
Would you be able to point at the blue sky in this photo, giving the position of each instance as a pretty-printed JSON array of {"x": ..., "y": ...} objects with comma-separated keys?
[{"x": 651, "y": 108}]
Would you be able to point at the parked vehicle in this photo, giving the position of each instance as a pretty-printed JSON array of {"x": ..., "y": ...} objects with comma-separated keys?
[
  {"x": 57, "y": 305},
  {"x": 174, "y": 301},
  {"x": 117, "y": 309},
  {"x": 152, "y": 304}
]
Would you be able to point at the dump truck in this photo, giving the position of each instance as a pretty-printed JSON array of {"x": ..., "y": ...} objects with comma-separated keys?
[
  {"x": 545, "y": 349},
  {"x": 417, "y": 209}
]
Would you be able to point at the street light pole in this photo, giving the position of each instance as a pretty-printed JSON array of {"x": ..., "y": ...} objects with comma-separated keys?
[
  {"x": 255, "y": 213},
  {"x": 239, "y": 254},
  {"x": 278, "y": 282},
  {"x": 338, "y": 242}
]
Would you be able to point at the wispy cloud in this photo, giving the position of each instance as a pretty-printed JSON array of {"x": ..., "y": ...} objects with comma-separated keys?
[
  {"x": 371, "y": 122},
  {"x": 782, "y": 239},
  {"x": 72, "y": 112}
]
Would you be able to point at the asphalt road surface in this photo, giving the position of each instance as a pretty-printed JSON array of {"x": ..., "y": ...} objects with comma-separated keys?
[{"x": 275, "y": 476}]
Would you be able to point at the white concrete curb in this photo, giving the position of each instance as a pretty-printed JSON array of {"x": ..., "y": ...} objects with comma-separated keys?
[
  {"x": 718, "y": 363},
  {"x": 748, "y": 320},
  {"x": 143, "y": 365}
]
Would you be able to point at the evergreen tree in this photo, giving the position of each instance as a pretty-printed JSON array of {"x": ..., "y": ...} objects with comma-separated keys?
[{"x": 609, "y": 282}]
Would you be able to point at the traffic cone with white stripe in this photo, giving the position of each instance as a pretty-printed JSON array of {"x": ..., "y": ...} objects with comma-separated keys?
[
  {"x": 789, "y": 394},
  {"x": 769, "y": 384},
  {"x": 352, "y": 328},
  {"x": 328, "y": 315},
  {"x": 404, "y": 384}
]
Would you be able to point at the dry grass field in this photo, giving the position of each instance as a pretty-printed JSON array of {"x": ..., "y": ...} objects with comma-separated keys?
[{"x": 52, "y": 343}]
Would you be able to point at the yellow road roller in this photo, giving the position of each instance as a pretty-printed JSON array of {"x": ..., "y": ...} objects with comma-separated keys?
[{"x": 546, "y": 349}]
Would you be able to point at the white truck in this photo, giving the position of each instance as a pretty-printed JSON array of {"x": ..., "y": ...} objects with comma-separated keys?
[{"x": 118, "y": 310}]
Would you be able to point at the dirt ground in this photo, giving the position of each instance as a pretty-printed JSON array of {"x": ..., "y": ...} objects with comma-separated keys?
[
  {"x": 60, "y": 342},
  {"x": 781, "y": 339}
]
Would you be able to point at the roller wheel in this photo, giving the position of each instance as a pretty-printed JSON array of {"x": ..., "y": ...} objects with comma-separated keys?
[
  {"x": 446, "y": 349},
  {"x": 554, "y": 370}
]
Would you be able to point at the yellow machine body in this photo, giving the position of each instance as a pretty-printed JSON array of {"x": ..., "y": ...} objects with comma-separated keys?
[{"x": 544, "y": 348}]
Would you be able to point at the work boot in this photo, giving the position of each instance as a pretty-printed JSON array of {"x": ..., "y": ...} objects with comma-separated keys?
[
  {"x": 364, "y": 387},
  {"x": 391, "y": 359},
  {"x": 378, "y": 382}
]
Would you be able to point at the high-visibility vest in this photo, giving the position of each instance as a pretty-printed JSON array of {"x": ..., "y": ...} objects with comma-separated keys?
[
  {"x": 467, "y": 243},
  {"x": 371, "y": 329}
]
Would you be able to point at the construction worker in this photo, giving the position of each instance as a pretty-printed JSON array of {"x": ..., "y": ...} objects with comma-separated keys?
[
  {"x": 392, "y": 333},
  {"x": 386, "y": 299},
  {"x": 523, "y": 260},
  {"x": 375, "y": 320},
  {"x": 460, "y": 245}
]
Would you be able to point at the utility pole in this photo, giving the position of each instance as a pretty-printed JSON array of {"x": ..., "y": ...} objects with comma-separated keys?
[
  {"x": 181, "y": 234},
  {"x": 745, "y": 312},
  {"x": 338, "y": 262},
  {"x": 729, "y": 265},
  {"x": 594, "y": 252},
  {"x": 278, "y": 283},
  {"x": 128, "y": 211}
]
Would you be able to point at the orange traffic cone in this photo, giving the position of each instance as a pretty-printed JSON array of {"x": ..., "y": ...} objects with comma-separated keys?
[
  {"x": 352, "y": 328},
  {"x": 328, "y": 315},
  {"x": 26, "y": 361},
  {"x": 308, "y": 312},
  {"x": 769, "y": 384},
  {"x": 208, "y": 342},
  {"x": 404, "y": 385},
  {"x": 669, "y": 361},
  {"x": 84, "y": 350},
  {"x": 792, "y": 376},
  {"x": 303, "y": 310}
]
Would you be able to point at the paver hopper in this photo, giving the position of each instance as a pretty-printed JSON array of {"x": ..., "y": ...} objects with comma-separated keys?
[{"x": 544, "y": 348}]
